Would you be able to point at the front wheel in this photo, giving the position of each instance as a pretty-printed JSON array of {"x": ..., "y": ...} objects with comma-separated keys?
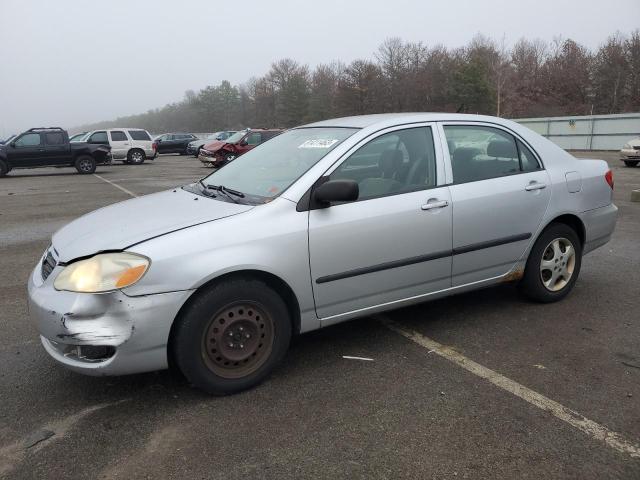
[
  {"x": 631, "y": 163},
  {"x": 232, "y": 336},
  {"x": 553, "y": 265},
  {"x": 85, "y": 164},
  {"x": 135, "y": 157}
]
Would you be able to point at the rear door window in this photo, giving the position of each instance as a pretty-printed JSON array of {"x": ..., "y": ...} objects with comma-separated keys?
[
  {"x": 139, "y": 135},
  {"x": 54, "y": 138},
  {"x": 118, "y": 136},
  {"x": 528, "y": 161},
  {"x": 479, "y": 152}
]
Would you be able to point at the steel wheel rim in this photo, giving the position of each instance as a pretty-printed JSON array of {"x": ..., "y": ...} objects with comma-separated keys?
[
  {"x": 238, "y": 340},
  {"x": 85, "y": 165},
  {"x": 557, "y": 264}
]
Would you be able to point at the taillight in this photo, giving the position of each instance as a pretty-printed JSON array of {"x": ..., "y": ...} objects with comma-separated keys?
[
  {"x": 154, "y": 145},
  {"x": 609, "y": 178}
]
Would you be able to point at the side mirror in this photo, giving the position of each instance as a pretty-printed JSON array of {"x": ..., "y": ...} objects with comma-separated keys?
[
  {"x": 336, "y": 191},
  {"x": 13, "y": 144}
]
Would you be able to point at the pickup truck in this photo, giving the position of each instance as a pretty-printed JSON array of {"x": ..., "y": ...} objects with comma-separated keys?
[{"x": 50, "y": 147}]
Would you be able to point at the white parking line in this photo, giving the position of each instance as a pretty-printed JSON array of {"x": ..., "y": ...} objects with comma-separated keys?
[
  {"x": 573, "y": 418},
  {"x": 128, "y": 192}
]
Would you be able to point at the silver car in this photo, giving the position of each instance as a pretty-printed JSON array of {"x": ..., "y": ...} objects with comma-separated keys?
[{"x": 324, "y": 223}]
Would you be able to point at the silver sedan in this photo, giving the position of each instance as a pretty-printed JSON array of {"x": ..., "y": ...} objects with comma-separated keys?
[{"x": 324, "y": 223}]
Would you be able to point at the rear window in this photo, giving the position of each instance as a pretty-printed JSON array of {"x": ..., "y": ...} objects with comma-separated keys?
[
  {"x": 118, "y": 136},
  {"x": 54, "y": 138},
  {"x": 139, "y": 135}
]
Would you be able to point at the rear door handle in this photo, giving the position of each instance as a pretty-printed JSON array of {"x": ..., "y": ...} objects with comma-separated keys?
[
  {"x": 434, "y": 203},
  {"x": 535, "y": 186}
]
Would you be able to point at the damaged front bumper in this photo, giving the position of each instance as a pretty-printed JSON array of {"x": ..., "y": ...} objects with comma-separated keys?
[{"x": 103, "y": 334}]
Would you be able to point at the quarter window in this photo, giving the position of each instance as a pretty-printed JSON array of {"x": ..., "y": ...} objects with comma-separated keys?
[
  {"x": 528, "y": 161},
  {"x": 480, "y": 153},
  {"x": 139, "y": 135},
  {"x": 396, "y": 162},
  {"x": 118, "y": 136},
  {"x": 28, "y": 140}
]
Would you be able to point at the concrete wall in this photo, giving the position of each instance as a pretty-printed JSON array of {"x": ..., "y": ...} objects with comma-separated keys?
[{"x": 592, "y": 132}]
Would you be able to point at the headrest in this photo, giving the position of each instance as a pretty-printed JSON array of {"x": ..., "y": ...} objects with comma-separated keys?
[
  {"x": 463, "y": 154},
  {"x": 390, "y": 160},
  {"x": 502, "y": 149}
]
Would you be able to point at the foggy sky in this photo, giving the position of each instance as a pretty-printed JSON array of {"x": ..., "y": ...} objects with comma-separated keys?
[{"x": 69, "y": 62}]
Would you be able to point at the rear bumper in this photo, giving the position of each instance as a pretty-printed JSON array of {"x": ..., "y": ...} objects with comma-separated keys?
[
  {"x": 629, "y": 154},
  {"x": 599, "y": 226}
]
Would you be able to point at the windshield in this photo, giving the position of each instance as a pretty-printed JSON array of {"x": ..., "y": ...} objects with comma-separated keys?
[
  {"x": 236, "y": 137},
  {"x": 79, "y": 137},
  {"x": 273, "y": 166}
]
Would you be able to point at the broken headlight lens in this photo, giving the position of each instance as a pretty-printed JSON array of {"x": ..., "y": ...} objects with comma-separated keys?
[{"x": 102, "y": 273}]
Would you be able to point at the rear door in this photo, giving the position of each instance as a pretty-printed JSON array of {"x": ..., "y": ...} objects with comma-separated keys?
[
  {"x": 500, "y": 193},
  {"x": 27, "y": 150},
  {"x": 120, "y": 144},
  {"x": 394, "y": 242},
  {"x": 57, "y": 150}
]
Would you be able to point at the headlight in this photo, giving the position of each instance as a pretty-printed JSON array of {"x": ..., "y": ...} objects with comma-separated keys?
[
  {"x": 626, "y": 146},
  {"x": 102, "y": 273}
]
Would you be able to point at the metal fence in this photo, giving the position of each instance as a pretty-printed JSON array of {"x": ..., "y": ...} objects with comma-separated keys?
[{"x": 591, "y": 132}]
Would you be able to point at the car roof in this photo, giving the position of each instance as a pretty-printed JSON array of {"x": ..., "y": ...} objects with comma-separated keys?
[{"x": 385, "y": 119}]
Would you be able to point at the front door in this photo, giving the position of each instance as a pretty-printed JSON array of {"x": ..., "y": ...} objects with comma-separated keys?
[
  {"x": 394, "y": 242},
  {"x": 500, "y": 192},
  {"x": 120, "y": 144},
  {"x": 26, "y": 151}
]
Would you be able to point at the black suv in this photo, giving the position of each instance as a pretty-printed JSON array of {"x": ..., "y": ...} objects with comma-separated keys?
[
  {"x": 50, "y": 147},
  {"x": 174, "y": 142}
]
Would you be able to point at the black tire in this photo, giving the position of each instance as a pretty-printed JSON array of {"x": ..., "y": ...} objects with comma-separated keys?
[
  {"x": 85, "y": 164},
  {"x": 4, "y": 168},
  {"x": 135, "y": 156},
  {"x": 535, "y": 275},
  {"x": 631, "y": 163},
  {"x": 225, "y": 367},
  {"x": 230, "y": 157}
]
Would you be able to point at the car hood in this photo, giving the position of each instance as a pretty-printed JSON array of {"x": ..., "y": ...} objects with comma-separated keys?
[
  {"x": 124, "y": 224},
  {"x": 214, "y": 146}
]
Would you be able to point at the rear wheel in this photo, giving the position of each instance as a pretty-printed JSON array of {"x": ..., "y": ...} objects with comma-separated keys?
[
  {"x": 85, "y": 164},
  {"x": 4, "y": 168},
  {"x": 135, "y": 156},
  {"x": 553, "y": 264},
  {"x": 232, "y": 336},
  {"x": 631, "y": 163}
]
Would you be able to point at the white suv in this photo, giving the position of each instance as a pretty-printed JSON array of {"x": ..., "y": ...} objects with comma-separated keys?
[{"x": 128, "y": 145}]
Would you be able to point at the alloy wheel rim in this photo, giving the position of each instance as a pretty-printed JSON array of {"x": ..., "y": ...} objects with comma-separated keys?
[
  {"x": 238, "y": 340},
  {"x": 136, "y": 156},
  {"x": 85, "y": 165},
  {"x": 557, "y": 264}
]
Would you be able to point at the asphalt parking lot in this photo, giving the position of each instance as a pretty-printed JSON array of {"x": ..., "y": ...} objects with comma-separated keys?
[{"x": 420, "y": 409}]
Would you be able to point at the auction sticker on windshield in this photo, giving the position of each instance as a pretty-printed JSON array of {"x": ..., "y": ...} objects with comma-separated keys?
[{"x": 319, "y": 143}]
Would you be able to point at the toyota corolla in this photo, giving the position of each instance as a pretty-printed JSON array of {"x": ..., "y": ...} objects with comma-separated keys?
[{"x": 324, "y": 223}]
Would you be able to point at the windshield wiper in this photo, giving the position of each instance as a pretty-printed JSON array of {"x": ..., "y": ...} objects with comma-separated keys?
[
  {"x": 206, "y": 187},
  {"x": 227, "y": 191}
]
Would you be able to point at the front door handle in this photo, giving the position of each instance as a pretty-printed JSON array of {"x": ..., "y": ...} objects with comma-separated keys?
[
  {"x": 535, "y": 186},
  {"x": 434, "y": 203}
]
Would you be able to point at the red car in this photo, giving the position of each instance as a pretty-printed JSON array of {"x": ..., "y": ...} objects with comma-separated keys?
[{"x": 220, "y": 152}]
